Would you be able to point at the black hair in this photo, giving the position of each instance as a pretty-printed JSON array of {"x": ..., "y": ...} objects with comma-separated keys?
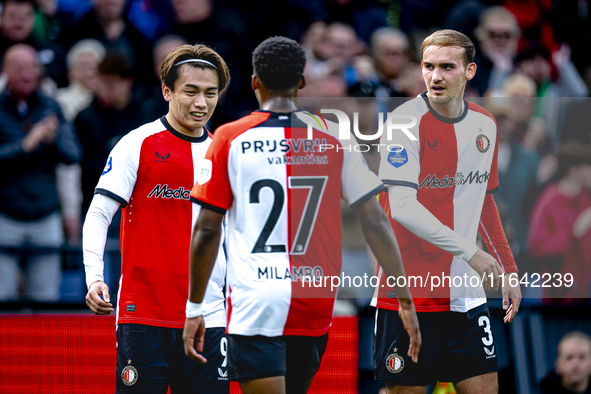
[
  {"x": 279, "y": 63},
  {"x": 572, "y": 153},
  {"x": 115, "y": 63},
  {"x": 32, "y": 2},
  {"x": 532, "y": 51}
]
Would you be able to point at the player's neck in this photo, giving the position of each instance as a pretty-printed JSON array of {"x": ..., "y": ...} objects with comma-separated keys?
[
  {"x": 451, "y": 109},
  {"x": 182, "y": 129},
  {"x": 278, "y": 104}
]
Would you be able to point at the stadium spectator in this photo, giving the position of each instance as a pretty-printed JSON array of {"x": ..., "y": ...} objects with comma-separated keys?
[
  {"x": 464, "y": 16},
  {"x": 498, "y": 35},
  {"x": 535, "y": 62},
  {"x": 559, "y": 239},
  {"x": 83, "y": 59},
  {"x": 113, "y": 113},
  {"x": 220, "y": 27},
  {"x": 314, "y": 43},
  {"x": 47, "y": 21},
  {"x": 34, "y": 137},
  {"x": 364, "y": 16},
  {"x": 16, "y": 25},
  {"x": 518, "y": 169},
  {"x": 411, "y": 80},
  {"x": 573, "y": 366},
  {"x": 576, "y": 115},
  {"x": 390, "y": 50},
  {"x": 107, "y": 23},
  {"x": 342, "y": 45},
  {"x": 162, "y": 47}
]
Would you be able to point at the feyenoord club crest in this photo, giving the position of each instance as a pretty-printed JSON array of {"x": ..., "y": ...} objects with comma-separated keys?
[
  {"x": 394, "y": 363},
  {"x": 482, "y": 143},
  {"x": 129, "y": 375}
]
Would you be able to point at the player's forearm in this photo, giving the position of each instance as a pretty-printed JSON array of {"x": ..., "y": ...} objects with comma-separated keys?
[
  {"x": 383, "y": 244},
  {"x": 407, "y": 211},
  {"x": 491, "y": 231},
  {"x": 94, "y": 236},
  {"x": 204, "y": 251}
]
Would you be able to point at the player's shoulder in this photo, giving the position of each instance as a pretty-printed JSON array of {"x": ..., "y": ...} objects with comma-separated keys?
[
  {"x": 416, "y": 106},
  {"x": 138, "y": 135},
  {"x": 479, "y": 110},
  {"x": 229, "y": 131}
]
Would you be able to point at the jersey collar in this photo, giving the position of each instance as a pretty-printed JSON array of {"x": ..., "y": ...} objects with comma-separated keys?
[
  {"x": 443, "y": 118},
  {"x": 182, "y": 136}
]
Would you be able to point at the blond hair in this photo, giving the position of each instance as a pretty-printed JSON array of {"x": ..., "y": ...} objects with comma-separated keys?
[
  {"x": 451, "y": 38},
  {"x": 169, "y": 71},
  {"x": 519, "y": 83}
]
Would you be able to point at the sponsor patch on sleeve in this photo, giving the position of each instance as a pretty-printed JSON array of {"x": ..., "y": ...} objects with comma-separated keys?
[
  {"x": 398, "y": 157},
  {"x": 205, "y": 172},
  {"x": 108, "y": 167}
]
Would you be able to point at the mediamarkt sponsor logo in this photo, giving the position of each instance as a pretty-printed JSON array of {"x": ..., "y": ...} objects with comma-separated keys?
[
  {"x": 459, "y": 180},
  {"x": 164, "y": 192}
]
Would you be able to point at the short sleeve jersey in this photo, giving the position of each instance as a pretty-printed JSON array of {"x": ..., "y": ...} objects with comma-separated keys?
[
  {"x": 282, "y": 195},
  {"x": 151, "y": 172},
  {"x": 452, "y": 164}
]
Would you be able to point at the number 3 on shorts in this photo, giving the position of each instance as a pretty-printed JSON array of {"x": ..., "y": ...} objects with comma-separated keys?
[{"x": 488, "y": 339}]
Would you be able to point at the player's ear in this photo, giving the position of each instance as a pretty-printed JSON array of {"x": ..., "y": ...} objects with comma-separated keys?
[
  {"x": 254, "y": 82},
  {"x": 471, "y": 71},
  {"x": 302, "y": 83},
  {"x": 166, "y": 93}
]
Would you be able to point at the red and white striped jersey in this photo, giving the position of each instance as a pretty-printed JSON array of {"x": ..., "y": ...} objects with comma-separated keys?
[
  {"x": 151, "y": 172},
  {"x": 282, "y": 196},
  {"x": 452, "y": 164}
]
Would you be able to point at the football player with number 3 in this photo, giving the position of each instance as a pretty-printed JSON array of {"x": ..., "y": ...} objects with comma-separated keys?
[
  {"x": 281, "y": 193},
  {"x": 150, "y": 174},
  {"x": 439, "y": 197}
]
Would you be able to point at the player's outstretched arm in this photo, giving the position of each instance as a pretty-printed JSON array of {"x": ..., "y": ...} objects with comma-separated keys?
[
  {"x": 382, "y": 241},
  {"x": 204, "y": 251},
  {"x": 94, "y": 237}
]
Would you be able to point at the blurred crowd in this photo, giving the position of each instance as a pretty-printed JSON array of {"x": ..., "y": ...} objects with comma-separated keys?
[{"x": 77, "y": 75}]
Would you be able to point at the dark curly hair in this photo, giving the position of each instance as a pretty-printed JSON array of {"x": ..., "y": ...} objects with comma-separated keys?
[{"x": 279, "y": 62}]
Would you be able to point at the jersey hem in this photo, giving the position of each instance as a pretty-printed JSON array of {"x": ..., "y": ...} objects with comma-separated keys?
[
  {"x": 394, "y": 307},
  {"x": 279, "y": 332},
  {"x": 491, "y": 191},
  {"x": 363, "y": 199},
  {"x": 205, "y": 205},
  {"x": 400, "y": 183},
  {"x": 151, "y": 322},
  {"x": 112, "y": 195}
]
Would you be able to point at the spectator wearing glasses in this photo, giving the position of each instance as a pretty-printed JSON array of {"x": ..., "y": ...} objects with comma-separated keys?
[{"x": 498, "y": 35}]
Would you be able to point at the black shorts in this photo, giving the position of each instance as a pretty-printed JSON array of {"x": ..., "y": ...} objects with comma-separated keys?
[
  {"x": 455, "y": 346},
  {"x": 149, "y": 359},
  {"x": 257, "y": 357}
]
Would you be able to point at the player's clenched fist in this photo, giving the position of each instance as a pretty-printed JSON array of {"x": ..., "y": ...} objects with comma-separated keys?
[{"x": 93, "y": 299}]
